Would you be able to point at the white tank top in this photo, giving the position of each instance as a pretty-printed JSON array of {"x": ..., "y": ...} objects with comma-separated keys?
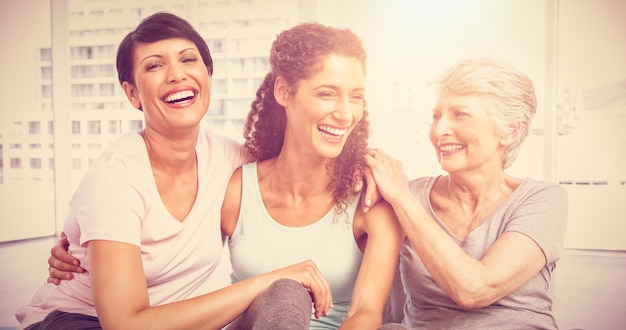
[{"x": 260, "y": 244}]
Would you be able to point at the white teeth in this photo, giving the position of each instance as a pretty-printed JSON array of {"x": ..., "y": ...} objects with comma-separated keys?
[
  {"x": 332, "y": 130},
  {"x": 179, "y": 96},
  {"x": 454, "y": 147}
]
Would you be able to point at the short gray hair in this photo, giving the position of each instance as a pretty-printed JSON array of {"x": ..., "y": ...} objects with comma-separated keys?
[{"x": 507, "y": 93}]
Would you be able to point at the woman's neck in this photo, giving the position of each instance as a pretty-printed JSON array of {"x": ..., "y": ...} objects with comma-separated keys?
[
  {"x": 170, "y": 152},
  {"x": 297, "y": 174},
  {"x": 476, "y": 189}
]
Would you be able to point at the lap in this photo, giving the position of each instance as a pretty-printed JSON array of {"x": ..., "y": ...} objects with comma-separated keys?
[{"x": 63, "y": 320}]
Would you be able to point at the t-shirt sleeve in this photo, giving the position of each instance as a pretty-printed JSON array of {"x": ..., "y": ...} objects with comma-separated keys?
[
  {"x": 236, "y": 153},
  {"x": 109, "y": 205},
  {"x": 542, "y": 215}
]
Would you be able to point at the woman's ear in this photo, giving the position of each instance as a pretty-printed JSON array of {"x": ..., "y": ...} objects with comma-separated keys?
[
  {"x": 511, "y": 135},
  {"x": 132, "y": 94},
  {"x": 281, "y": 91}
]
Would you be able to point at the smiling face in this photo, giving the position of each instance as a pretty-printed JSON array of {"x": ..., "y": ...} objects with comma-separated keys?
[
  {"x": 464, "y": 135},
  {"x": 325, "y": 108},
  {"x": 172, "y": 85}
]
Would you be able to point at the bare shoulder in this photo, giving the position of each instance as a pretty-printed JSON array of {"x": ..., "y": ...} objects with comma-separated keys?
[
  {"x": 231, "y": 203},
  {"x": 380, "y": 219}
]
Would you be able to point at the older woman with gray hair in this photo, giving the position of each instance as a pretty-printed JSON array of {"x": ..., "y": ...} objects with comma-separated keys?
[{"x": 481, "y": 244}]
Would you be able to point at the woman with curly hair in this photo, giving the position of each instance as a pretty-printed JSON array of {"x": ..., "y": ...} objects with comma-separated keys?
[
  {"x": 307, "y": 131},
  {"x": 144, "y": 221}
]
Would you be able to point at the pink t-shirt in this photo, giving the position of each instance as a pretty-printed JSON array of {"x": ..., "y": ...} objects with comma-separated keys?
[{"x": 117, "y": 200}]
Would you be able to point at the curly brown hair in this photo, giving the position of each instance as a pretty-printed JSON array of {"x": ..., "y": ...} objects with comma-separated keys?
[{"x": 297, "y": 54}]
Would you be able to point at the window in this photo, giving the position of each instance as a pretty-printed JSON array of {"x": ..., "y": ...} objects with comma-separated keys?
[
  {"x": 114, "y": 126},
  {"x": 219, "y": 86},
  {"x": 82, "y": 71},
  {"x": 46, "y": 72},
  {"x": 591, "y": 103},
  {"x": 81, "y": 53},
  {"x": 221, "y": 65},
  {"x": 50, "y": 127},
  {"x": 106, "y": 51},
  {"x": 216, "y": 108},
  {"x": 34, "y": 145},
  {"x": 107, "y": 70},
  {"x": 34, "y": 127},
  {"x": 93, "y": 127},
  {"x": 46, "y": 91},
  {"x": 216, "y": 45},
  {"x": 16, "y": 163},
  {"x": 45, "y": 54},
  {"x": 35, "y": 163},
  {"x": 260, "y": 65},
  {"x": 46, "y": 106},
  {"x": 257, "y": 82},
  {"x": 75, "y": 127},
  {"x": 135, "y": 125},
  {"x": 107, "y": 90},
  {"x": 82, "y": 90},
  {"x": 76, "y": 163},
  {"x": 240, "y": 83}
]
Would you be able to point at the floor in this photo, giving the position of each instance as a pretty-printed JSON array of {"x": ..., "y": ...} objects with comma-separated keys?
[{"x": 590, "y": 285}]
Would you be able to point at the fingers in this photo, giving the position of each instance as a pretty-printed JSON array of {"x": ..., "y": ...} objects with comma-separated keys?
[
  {"x": 320, "y": 291},
  {"x": 61, "y": 263},
  {"x": 56, "y": 276},
  {"x": 377, "y": 158},
  {"x": 373, "y": 154},
  {"x": 63, "y": 240},
  {"x": 312, "y": 279},
  {"x": 61, "y": 259},
  {"x": 371, "y": 195}
]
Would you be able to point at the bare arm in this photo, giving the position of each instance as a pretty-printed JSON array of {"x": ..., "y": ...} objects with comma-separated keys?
[
  {"x": 122, "y": 300},
  {"x": 384, "y": 238},
  {"x": 121, "y": 295},
  {"x": 510, "y": 262}
]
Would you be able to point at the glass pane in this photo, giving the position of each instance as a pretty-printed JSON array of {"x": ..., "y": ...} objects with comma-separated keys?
[
  {"x": 429, "y": 36},
  {"x": 591, "y": 147},
  {"x": 26, "y": 183}
]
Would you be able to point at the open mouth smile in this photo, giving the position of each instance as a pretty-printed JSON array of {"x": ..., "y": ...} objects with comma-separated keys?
[
  {"x": 331, "y": 132},
  {"x": 179, "y": 97}
]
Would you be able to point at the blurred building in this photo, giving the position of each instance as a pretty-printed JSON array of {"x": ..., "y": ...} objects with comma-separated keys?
[{"x": 83, "y": 107}]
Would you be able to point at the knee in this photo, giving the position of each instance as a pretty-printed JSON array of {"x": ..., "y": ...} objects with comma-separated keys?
[
  {"x": 288, "y": 288},
  {"x": 287, "y": 306}
]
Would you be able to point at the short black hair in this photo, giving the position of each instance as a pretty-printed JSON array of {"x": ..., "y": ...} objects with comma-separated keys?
[{"x": 156, "y": 27}]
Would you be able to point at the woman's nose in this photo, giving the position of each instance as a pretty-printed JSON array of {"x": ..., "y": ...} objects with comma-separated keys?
[
  {"x": 176, "y": 73},
  {"x": 343, "y": 110},
  {"x": 440, "y": 126}
]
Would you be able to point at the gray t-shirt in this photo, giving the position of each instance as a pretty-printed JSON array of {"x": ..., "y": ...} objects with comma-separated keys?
[{"x": 537, "y": 209}]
